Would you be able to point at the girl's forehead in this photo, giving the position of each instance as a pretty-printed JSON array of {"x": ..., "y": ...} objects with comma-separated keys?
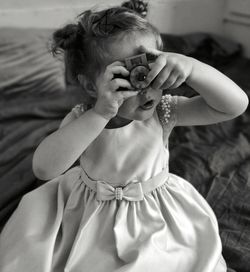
[{"x": 129, "y": 45}]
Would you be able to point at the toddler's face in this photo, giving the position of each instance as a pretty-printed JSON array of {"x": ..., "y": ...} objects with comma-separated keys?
[{"x": 142, "y": 106}]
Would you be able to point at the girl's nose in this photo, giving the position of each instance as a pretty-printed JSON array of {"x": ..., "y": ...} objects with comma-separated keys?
[{"x": 143, "y": 92}]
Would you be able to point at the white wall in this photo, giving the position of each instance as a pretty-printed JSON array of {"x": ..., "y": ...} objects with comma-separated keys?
[
  {"x": 236, "y": 23},
  {"x": 45, "y": 13},
  {"x": 170, "y": 16},
  {"x": 174, "y": 16},
  {"x": 182, "y": 16}
]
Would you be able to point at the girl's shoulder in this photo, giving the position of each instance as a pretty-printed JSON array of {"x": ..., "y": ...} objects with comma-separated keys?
[
  {"x": 78, "y": 110},
  {"x": 75, "y": 112}
]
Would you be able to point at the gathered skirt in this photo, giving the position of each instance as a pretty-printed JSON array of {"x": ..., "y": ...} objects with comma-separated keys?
[{"x": 64, "y": 226}]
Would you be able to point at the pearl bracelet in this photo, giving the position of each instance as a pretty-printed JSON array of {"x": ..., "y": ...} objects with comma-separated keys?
[{"x": 164, "y": 109}]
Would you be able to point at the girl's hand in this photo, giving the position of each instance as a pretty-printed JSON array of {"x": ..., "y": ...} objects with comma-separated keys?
[
  {"x": 109, "y": 99},
  {"x": 169, "y": 70}
]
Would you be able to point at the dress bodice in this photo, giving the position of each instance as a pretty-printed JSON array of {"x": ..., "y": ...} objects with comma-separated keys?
[
  {"x": 137, "y": 151},
  {"x": 132, "y": 152}
]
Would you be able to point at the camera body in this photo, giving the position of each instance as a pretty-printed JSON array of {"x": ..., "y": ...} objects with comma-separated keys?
[{"x": 138, "y": 67}]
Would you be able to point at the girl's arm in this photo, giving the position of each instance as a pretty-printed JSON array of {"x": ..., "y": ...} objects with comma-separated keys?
[
  {"x": 220, "y": 98},
  {"x": 57, "y": 152}
]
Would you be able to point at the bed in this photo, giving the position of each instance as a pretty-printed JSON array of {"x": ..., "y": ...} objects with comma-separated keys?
[{"x": 36, "y": 94}]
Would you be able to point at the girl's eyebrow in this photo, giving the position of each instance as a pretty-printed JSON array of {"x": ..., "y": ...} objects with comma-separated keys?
[{"x": 138, "y": 51}]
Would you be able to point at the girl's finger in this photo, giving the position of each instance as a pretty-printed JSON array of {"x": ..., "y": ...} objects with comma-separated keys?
[
  {"x": 156, "y": 68},
  {"x": 171, "y": 80},
  {"x": 120, "y": 82},
  {"x": 162, "y": 77},
  {"x": 115, "y": 69},
  {"x": 116, "y": 63},
  {"x": 180, "y": 80},
  {"x": 119, "y": 70},
  {"x": 126, "y": 94},
  {"x": 149, "y": 50}
]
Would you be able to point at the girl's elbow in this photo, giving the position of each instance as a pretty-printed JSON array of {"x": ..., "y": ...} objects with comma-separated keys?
[
  {"x": 242, "y": 105},
  {"x": 42, "y": 175},
  {"x": 238, "y": 105},
  {"x": 246, "y": 102},
  {"x": 39, "y": 171},
  {"x": 39, "y": 174}
]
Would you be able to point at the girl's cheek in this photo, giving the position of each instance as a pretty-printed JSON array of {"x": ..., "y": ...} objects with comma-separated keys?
[
  {"x": 129, "y": 105},
  {"x": 125, "y": 107}
]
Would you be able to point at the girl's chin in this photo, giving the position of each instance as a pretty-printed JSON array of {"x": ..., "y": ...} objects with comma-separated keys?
[
  {"x": 118, "y": 121},
  {"x": 143, "y": 114},
  {"x": 140, "y": 114}
]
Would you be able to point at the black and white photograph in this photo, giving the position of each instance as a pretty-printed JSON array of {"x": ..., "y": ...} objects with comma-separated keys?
[{"x": 124, "y": 136}]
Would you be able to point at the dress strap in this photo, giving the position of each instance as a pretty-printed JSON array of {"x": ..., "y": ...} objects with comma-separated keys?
[{"x": 78, "y": 110}]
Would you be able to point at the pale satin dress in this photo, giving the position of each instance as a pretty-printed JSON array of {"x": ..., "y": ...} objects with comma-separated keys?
[{"x": 97, "y": 217}]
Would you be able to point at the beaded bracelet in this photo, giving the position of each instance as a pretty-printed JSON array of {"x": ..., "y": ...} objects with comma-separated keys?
[{"x": 164, "y": 109}]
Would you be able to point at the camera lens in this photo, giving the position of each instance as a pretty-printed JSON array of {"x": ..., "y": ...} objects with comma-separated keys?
[
  {"x": 141, "y": 77},
  {"x": 138, "y": 77}
]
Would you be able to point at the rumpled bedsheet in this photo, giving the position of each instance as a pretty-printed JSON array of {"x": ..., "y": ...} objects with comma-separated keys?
[{"x": 24, "y": 123}]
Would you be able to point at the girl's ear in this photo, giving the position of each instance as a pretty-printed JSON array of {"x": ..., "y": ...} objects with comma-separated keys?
[{"x": 87, "y": 85}]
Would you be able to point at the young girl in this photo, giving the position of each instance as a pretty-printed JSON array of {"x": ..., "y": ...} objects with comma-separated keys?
[{"x": 120, "y": 209}]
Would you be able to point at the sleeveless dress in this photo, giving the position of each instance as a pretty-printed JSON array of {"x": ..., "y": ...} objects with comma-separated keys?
[{"x": 120, "y": 210}]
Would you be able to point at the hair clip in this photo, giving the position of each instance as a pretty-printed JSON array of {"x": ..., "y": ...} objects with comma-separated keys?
[
  {"x": 81, "y": 31},
  {"x": 104, "y": 25}
]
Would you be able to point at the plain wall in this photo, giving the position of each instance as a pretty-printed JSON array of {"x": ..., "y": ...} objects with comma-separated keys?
[
  {"x": 236, "y": 22},
  {"x": 170, "y": 16},
  {"x": 173, "y": 16},
  {"x": 182, "y": 16}
]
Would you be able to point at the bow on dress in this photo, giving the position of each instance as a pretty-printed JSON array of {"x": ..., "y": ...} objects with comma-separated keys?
[{"x": 131, "y": 192}]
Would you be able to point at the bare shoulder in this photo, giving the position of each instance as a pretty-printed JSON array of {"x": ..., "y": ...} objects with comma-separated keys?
[
  {"x": 195, "y": 111},
  {"x": 67, "y": 119},
  {"x": 76, "y": 111}
]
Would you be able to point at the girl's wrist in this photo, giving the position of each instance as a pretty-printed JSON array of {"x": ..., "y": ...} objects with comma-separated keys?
[
  {"x": 107, "y": 117},
  {"x": 191, "y": 76}
]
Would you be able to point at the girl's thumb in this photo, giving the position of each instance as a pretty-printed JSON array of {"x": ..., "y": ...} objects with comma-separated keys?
[{"x": 149, "y": 50}]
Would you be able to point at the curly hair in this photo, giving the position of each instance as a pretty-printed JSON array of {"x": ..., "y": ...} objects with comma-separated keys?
[{"x": 85, "y": 43}]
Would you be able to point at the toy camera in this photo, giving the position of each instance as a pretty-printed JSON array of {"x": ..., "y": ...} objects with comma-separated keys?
[{"x": 138, "y": 66}]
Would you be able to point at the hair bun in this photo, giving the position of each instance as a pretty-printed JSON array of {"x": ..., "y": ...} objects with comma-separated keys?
[
  {"x": 65, "y": 37},
  {"x": 139, "y": 6}
]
